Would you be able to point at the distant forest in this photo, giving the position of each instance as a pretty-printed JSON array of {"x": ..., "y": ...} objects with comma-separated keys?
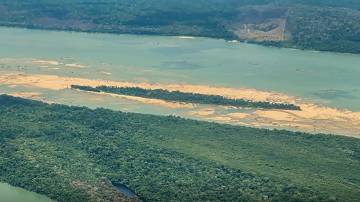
[
  {"x": 328, "y": 25},
  {"x": 77, "y": 154},
  {"x": 177, "y": 96}
]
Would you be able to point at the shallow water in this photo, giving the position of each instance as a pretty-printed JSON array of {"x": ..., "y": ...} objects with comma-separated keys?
[{"x": 14, "y": 194}]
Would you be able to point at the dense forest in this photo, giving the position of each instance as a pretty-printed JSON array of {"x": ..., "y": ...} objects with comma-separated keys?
[
  {"x": 177, "y": 96},
  {"x": 329, "y": 25},
  {"x": 79, "y": 154}
]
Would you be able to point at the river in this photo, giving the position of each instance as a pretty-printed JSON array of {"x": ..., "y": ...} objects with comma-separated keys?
[
  {"x": 323, "y": 79},
  {"x": 14, "y": 194}
]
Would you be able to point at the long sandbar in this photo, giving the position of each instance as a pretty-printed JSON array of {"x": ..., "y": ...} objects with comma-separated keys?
[{"x": 312, "y": 117}]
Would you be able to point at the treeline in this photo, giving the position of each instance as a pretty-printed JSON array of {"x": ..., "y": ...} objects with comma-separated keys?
[
  {"x": 77, "y": 154},
  {"x": 178, "y": 96},
  {"x": 332, "y": 29},
  {"x": 329, "y": 25}
]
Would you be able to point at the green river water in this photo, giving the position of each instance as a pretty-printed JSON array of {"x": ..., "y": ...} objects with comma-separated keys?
[
  {"x": 323, "y": 77},
  {"x": 13, "y": 194}
]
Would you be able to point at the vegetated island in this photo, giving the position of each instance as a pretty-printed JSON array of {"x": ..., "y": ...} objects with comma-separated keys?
[
  {"x": 80, "y": 154},
  {"x": 178, "y": 96}
]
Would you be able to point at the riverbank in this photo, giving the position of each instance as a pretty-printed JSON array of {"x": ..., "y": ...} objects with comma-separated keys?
[
  {"x": 230, "y": 38},
  {"x": 312, "y": 118}
]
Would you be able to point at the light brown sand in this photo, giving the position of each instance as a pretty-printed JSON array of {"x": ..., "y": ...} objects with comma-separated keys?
[
  {"x": 46, "y": 62},
  {"x": 223, "y": 119},
  {"x": 238, "y": 115},
  {"x": 171, "y": 105},
  {"x": 312, "y": 117},
  {"x": 74, "y": 65},
  {"x": 57, "y": 83}
]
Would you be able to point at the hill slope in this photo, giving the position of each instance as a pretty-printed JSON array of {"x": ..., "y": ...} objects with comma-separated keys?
[{"x": 317, "y": 24}]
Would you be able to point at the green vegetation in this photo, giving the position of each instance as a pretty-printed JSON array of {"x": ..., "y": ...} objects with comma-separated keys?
[
  {"x": 178, "y": 96},
  {"x": 330, "y": 25},
  {"x": 332, "y": 29},
  {"x": 78, "y": 154}
]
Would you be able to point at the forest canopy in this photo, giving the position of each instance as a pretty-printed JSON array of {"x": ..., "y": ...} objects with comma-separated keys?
[{"x": 79, "y": 154}]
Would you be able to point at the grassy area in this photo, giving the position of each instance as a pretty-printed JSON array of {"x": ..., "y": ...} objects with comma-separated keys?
[{"x": 77, "y": 154}]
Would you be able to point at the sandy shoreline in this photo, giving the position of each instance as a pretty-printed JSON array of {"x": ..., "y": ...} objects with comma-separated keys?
[
  {"x": 54, "y": 82},
  {"x": 312, "y": 118},
  {"x": 172, "y": 105}
]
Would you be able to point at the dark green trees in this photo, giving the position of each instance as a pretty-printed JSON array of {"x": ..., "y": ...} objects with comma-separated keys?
[{"x": 177, "y": 96}]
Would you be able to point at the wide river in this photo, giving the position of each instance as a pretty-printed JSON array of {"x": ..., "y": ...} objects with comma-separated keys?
[
  {"x": 331, "y": 81},
  {"x": 42, "y": 64}
]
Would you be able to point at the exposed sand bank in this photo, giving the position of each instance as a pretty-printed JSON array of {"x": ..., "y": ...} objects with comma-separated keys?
[
  {"x": 186, "y": 37},
  {"x": 312, "y": 117},
  {"x": 172, "y": 105},
  {"x": 106, "y": 73},
  {"x": 48, "y": 63},
  {"x": 57, "y": 83},
  {"x": 74, "y": 65}
]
